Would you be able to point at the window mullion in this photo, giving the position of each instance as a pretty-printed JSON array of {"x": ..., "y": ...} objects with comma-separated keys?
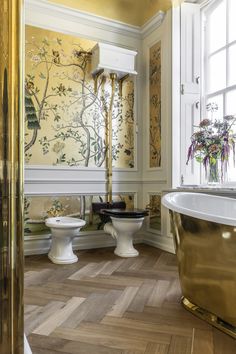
[{"x": 227, "y": 46}]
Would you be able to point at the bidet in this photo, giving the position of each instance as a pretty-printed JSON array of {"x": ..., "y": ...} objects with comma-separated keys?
[{"x": 63, "y": 230}]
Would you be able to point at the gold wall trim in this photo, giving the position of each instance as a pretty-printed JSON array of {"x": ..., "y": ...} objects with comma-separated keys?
[{"x": 11, "y": 177}]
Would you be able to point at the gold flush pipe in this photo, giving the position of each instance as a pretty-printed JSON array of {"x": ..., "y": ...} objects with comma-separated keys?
[
  {"x": 121, "y": 80},
  {"x": 113, "y": 77},
  {"x": 95, "y": 77},
  {"x": 11, "y": 177},
  {"x": 108, "y": 130}
]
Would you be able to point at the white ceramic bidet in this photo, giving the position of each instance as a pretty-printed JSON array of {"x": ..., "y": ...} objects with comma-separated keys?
[{"x": 63, "y": 230}]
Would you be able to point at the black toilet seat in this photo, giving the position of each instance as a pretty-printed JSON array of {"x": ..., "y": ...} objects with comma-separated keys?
[{"x": 125, "y": 213}]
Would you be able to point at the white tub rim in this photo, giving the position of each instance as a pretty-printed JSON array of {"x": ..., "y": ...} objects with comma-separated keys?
[{"x": 170, "y": 201}]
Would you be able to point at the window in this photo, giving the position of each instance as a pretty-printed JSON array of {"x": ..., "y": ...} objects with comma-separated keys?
[{"x": 219, "y": 64}]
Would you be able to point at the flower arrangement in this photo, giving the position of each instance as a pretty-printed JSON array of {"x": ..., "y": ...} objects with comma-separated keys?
[{"x": 212, "y": 144}]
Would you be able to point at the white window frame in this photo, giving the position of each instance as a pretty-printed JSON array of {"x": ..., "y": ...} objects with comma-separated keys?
[
  {"x": 205, "y": 95},
  {"x": 205, "y": 5},
  {"x": 207, "y": 55}
]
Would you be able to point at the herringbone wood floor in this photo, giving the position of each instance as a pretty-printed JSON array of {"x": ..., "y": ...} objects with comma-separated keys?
[{"x": 108, "y": 305}]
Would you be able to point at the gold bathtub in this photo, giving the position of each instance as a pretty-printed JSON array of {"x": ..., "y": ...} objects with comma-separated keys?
[{"x": 206, "y": 252}]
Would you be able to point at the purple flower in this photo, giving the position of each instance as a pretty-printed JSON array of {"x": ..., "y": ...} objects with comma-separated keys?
[
  {"x": 205, "y": 123},
  {"x": 213, "y": 142}
]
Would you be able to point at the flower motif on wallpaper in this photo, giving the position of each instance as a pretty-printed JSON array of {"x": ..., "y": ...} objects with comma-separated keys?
[{"x": 64, "y": 117}]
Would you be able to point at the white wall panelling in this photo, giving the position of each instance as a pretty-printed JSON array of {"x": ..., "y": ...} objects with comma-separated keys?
[
  {"x": 190, "y": 63},
  {"x": 47, "y": 180},
  {"x": 163, "y": 34},
  {"x": 155, "y": 180},
  {"x": 176, "y": 171}
]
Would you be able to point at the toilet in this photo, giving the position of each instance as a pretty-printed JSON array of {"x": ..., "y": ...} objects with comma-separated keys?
[
  {"x": 63, "y": 230},
  {"x": 124, "y": 224}
]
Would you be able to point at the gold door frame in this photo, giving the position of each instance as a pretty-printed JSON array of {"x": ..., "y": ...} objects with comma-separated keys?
[{"x": 11, "y": 177}]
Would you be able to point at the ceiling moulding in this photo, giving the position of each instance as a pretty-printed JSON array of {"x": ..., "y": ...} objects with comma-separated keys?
[
  {"x": 152, "y": 24},
  {"x": 43, "y": 7}
]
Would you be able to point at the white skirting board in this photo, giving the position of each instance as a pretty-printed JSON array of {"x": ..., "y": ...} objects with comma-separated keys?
[
  {"x": 40, "y": 244},
  {"x": 159, "y": 241}
]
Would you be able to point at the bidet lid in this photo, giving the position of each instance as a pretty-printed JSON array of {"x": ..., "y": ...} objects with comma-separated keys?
[{"x": 64, "y": 222}]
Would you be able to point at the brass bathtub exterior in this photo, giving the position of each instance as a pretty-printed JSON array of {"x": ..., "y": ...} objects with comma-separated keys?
[
  {"x": 11, "y": 177},
  {"x": 206, "y": 253}
]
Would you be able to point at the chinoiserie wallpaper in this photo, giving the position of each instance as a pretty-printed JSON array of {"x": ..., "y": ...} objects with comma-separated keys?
[
  {"x": 155, "y": 212},
  {"x": 65, "y": 119},
  {"x": 38, "y": 208},
  {"x": 155, "y": 105}
]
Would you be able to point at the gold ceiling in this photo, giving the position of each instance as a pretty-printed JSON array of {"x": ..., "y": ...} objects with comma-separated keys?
[{"x": 134, "y": 12}]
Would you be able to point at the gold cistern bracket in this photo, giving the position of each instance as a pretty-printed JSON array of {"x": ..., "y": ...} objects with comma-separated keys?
[{"x": 95, "y": 78}]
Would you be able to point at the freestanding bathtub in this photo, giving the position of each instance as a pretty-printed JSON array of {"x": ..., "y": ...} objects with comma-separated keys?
[{"x": 204, "y": 229}]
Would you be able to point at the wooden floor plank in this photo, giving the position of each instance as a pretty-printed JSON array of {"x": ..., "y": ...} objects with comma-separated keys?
[
  {"x": 180, "y": 345},
  {"x": 58, "y": 317},
  {"x": 123, "y": 302},
  {"x": 142, "y": 297},
  {"x": 202, "y": 342},
  {"x": 107, "y": 340},
  {"x": 155, "y": 348},
  {"x": 147, "y": 326},
  {"x": 158, "y": 294},
  {"x": 70, "y": 347}
]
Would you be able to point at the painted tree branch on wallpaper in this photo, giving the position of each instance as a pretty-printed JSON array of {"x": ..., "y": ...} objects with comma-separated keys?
[{"x": 65, "y": 119}]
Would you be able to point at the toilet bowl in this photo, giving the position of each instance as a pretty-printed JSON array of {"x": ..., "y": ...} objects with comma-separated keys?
[
  {"x": 63, "y": 230},
  {"x": 124, "y": 224}
]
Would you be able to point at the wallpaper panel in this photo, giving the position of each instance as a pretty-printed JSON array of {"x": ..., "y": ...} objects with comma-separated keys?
[
  {"x": 65, "y": 119},
  {"x": 155, "y": 105},
  {"x": 155, "y": 212}
]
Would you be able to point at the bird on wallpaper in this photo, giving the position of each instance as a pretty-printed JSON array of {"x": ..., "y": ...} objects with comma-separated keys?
[{"x": 30, "y": 112}]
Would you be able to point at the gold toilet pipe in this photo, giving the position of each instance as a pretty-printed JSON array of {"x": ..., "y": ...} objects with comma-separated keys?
[
  {"x": 11, "y": 177},
  {"x": 113, "y": 77}
]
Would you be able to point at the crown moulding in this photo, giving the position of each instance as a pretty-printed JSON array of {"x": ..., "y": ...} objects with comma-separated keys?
[{"x": 45, "y": 7}]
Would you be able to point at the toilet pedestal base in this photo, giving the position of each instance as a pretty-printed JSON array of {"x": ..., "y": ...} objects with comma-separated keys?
[
  {"x": 125, "y": 229},
  {"x": 124, "y": 246},
  {"x": 58, "y": 260}
]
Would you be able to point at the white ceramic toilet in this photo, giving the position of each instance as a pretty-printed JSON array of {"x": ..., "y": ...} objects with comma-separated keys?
[
  {"x": 63, "y": 230},
  {"x": 124, "y": 224}
]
